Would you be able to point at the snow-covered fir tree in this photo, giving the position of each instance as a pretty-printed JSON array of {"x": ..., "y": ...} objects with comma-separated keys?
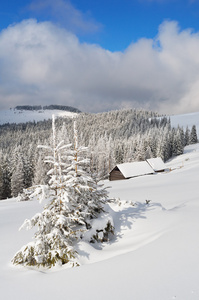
[
  {"x": 40, "y": 171},
  {"x": 187, "y": 136},
  {"x": 193, "y": 139},
  {"x": 1, "y": 175},
  {"x": 55, "y": 234},
  {"x": 75, "y": 199},
  {"x": 6, "y": 173},
  {"x": 17, "y": 179},
  {"x": 177, "y": 144},
  {"x": 85, "y": 194}
]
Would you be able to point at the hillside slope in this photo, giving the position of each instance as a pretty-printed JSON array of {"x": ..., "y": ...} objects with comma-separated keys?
[
  {"x": 24, "y": 116},
  {"x": 186, "y": 120},
  {"x": 154, "y": 255}
]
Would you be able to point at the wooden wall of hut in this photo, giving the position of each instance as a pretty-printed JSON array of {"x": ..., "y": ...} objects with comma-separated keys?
[{"x": 115, "y": 174}]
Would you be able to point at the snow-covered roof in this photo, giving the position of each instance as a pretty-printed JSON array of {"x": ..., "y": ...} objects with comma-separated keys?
[
  {"x": 157, "y": 164},
  {"x": 135, "y": 169}
]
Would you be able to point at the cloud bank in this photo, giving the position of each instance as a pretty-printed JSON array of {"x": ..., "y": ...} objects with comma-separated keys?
[{"x": 41, "y": 63}]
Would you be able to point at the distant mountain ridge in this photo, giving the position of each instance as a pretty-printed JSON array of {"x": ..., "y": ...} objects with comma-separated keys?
[
  {"x": 36, "y": 113},
  {"x": 48, "y": 107}
]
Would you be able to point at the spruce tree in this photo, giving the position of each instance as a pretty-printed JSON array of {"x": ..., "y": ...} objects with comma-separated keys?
[
  {"x": 6, "y": 189},
  {"x": 193, "y": 135},
  {"x": 75, "y": 199},
  {"x": 187, "y": 136},
  {"x": 178, "y": 147},
  {"x": 55, "y": 234},
  {"x": 40, "y": 171},
  {"x": 17, "y": 179},
  {"x": 1, "y": 176},
  {"x": 85, "y": 194}
]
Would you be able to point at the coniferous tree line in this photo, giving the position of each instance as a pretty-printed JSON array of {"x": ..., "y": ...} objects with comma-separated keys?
[
  {"x": 113, "y": 137},
  {"x": 39, "y": 107}
]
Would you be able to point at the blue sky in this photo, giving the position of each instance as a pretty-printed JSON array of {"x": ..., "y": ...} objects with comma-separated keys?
[
  {"x": 113, "y": 24},
  {"x": 115, "y": 54}
]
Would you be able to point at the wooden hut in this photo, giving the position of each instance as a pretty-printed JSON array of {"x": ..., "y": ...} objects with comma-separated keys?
[
  {"x": 157, "y": 164},
  {"x": 129, "y": 170}
]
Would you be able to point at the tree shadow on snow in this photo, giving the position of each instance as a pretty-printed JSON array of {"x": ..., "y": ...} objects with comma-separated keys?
[{"x": 126, "y": 217}]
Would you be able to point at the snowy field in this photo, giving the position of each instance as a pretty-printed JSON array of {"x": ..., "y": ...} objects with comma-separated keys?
[
  {"x": 154, "y": 255},
  {"x": 23, "y": 116},
  {"x": 186, "y": 120}
]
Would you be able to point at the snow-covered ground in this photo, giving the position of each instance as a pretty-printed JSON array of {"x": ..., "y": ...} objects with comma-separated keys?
[
  {"x": 186, "y": 120},
  {"x": 154, "y": 255},
  {"x": 23, "y": 116}
]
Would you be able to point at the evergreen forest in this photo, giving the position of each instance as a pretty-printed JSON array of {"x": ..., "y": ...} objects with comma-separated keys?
[{"x": 112, "y": 138}]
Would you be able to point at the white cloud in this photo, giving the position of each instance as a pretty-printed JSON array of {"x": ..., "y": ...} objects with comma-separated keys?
[{"x": 41, "y": 63}]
